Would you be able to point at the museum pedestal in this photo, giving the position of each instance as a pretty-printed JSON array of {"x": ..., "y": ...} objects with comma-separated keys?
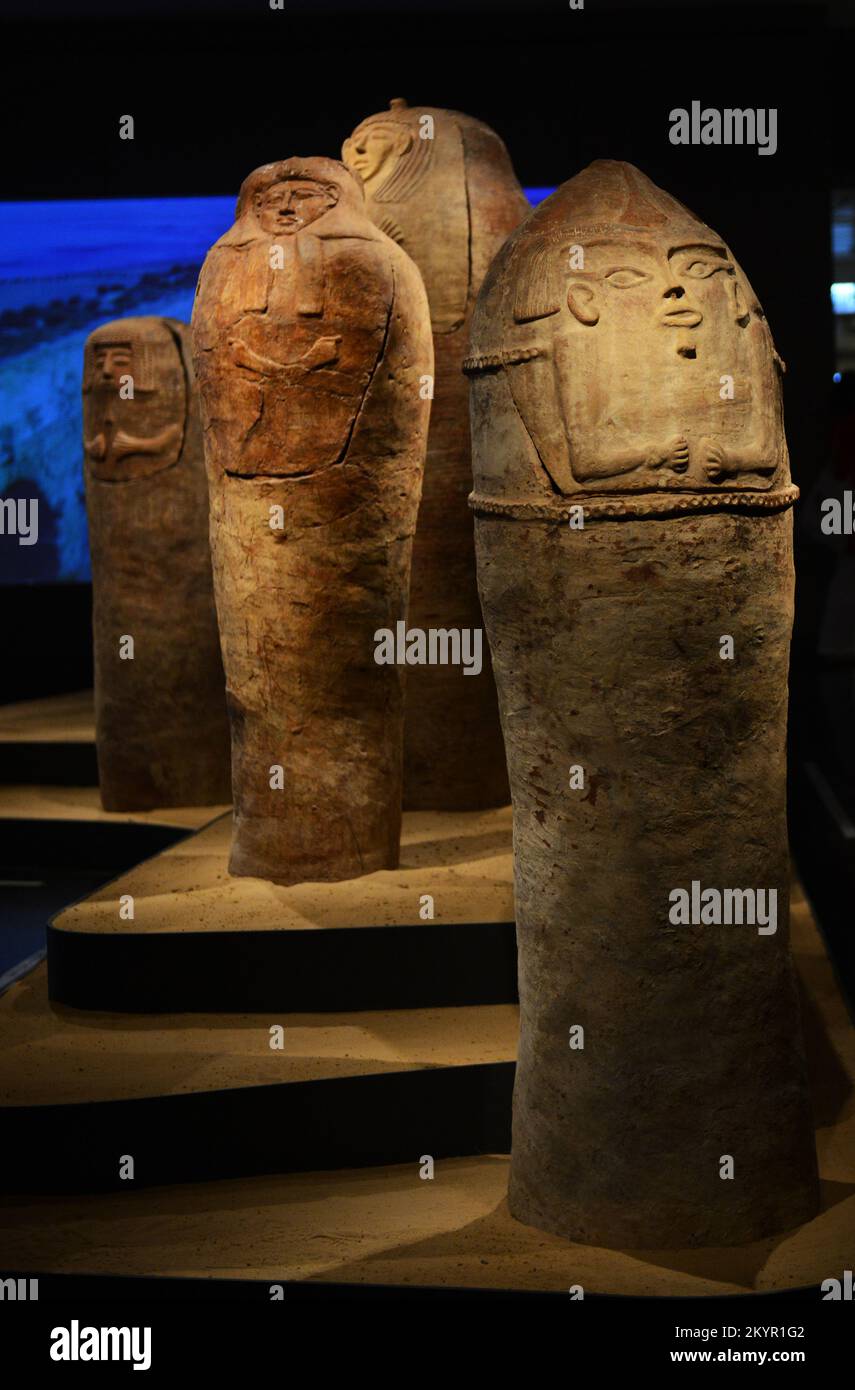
[
  {"x": 304, "y": 1163},
  {"x": 381, "y": 1227},
  {"x": 218, "y": 1096},
  {"x": 202, "y": 940}
]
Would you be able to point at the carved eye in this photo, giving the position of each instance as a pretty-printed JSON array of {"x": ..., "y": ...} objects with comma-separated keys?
[
  {"x": 701, "y": 270},
  {"x": 625, "y": 278}
]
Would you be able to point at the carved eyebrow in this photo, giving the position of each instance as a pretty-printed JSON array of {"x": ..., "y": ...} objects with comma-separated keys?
[
  {"x": 644, "y": 248},
  {"x": 604, "y": 274},
  {"x": 700, "y": 246},
  {"x": 289, "y": 185}
]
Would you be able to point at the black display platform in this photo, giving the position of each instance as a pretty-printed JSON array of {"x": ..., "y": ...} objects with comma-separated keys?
[
  {"x": 30, "y": 846},
  {"x": 310, "y": 948},
  {"x": 45, "y": 864},
  {"x": 71, "y": 764},
  {"x": 50, "y": 741},
  {"x": 361, "y": 1120},
  {"x": 337, "y": 970}
]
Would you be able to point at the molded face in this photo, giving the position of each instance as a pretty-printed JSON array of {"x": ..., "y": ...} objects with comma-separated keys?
[
  {"x": 414, "y": 174},
  {"x": 373, "y": 150},
  {"x": 637, "y": 362},
  {"x": 288, "y": 206},
  {"x": 644, "y": 286},
  {"x": 112, "y": 361},
  {"x": 134, "y": 402},
  {"x": 618, "y": 333}
]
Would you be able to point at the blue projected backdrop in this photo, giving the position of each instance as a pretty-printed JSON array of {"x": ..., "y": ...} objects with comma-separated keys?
[{"x": 65, "y": 267}]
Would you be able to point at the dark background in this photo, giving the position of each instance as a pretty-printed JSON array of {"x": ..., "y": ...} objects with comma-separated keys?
[{"x": 214, "y": 95}]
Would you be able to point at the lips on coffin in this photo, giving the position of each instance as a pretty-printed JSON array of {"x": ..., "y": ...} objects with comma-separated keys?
[
  {"x": 311, "y": 334},
  {"x": 161, "y": 725},
  {"x": 629, "y": 514},
  {"x": 442, "y": 186}
]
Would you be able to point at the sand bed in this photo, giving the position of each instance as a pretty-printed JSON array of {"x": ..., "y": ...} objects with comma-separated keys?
[
  {"x": 463, "y": 860},
  {"x": 51, "y": 1055}
]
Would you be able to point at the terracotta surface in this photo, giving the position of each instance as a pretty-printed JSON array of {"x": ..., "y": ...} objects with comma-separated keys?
[
  {"x": 600, "y": 387},
  {"x": 449, "y": 201},
  {"x": 311, "y": 334},
  {"x": 162, "y": 733},
  {"x": 388, "y": 1226},
  {"x": 55, "y": 719},
  {"x": 463, "y": 861},
  {"x": 31, "y": 802},
  {"x": 54, "y": 1055}
]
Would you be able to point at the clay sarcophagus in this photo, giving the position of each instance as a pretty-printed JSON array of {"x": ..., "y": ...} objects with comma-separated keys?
[
  {"x": 160, "y": 712},
  {"x": 442, "y": 186},
  {"x": 311, "y": 336},
  {"x": 634, "y": 537}
]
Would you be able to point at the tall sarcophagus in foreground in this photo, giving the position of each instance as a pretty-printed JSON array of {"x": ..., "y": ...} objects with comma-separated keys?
[
  {"x": 634, "y": 536},
  {"x": 311, "y": 338}
]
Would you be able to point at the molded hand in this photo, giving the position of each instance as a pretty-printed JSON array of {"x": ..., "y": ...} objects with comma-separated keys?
[{"x": 322, "y": 352}]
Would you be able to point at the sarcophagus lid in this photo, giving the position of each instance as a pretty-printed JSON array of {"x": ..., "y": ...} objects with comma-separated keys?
[
  {"x": 133, "y": 433},
  {"x": 442, "y": 185},
  {"x": 619, "y": 341}
]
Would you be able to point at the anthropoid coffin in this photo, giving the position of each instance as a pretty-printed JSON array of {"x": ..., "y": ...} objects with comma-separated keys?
[
  {"x": 634, "y": 537},
  {"x": 442, "y": 186},
  {"x": 311, "y": 339},
  {"x": 160, "y": 710}
]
